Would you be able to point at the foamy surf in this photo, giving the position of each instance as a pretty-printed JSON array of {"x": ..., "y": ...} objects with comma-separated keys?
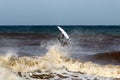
[{"x": 55, "y": 64}]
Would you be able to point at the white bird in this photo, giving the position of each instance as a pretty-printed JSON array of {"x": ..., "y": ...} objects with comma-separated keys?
[{"x": 63, "y": 32}]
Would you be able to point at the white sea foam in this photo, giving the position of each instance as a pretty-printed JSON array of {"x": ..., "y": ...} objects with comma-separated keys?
[{"x": 55, "y": 64}]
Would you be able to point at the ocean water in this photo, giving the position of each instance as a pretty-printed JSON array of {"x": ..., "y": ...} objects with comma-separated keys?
[
  {"x": 69, "y": 28},
  {"x": 31, "y": 52},
  {"x": 27, "y": 40}
]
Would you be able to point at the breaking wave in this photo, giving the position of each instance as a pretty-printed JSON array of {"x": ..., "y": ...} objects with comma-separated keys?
[{"x": 55, "y": 64}]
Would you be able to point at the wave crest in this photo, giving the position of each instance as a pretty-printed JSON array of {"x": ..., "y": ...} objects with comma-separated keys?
[{"x": 54, "y": 60}]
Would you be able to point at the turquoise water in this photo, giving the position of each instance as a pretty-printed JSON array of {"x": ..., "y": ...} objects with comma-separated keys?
[{"x": 69, "y": 29}]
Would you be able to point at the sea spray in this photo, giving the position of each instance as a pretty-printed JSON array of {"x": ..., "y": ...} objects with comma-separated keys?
[
  {"x": 56, "y": 61},
  {"x": 6, "y": 74}
]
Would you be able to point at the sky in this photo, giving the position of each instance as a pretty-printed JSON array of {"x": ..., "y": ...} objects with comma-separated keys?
[{"x": 59, "y": 12}]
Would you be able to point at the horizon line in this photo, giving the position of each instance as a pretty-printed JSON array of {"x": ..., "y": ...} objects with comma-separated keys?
[{"x": 55, "y": 25}]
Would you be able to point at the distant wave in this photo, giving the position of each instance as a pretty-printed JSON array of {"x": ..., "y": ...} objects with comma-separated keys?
[
  {"x": 106, "y": 58},
  {"x": 27, "y": 35}
]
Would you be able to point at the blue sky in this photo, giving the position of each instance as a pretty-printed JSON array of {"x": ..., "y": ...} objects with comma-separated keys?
[{"x": 59, "y": 12}]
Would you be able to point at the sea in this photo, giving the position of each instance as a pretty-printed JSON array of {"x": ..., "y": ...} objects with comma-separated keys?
[{"x": 22, "y": 46}]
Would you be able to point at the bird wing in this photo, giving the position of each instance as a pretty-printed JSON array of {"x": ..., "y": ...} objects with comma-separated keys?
[{"x": 63, "y": 32}]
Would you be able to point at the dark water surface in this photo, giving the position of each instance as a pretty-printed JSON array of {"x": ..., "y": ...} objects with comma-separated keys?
[{"x": 88, "y": 42}]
